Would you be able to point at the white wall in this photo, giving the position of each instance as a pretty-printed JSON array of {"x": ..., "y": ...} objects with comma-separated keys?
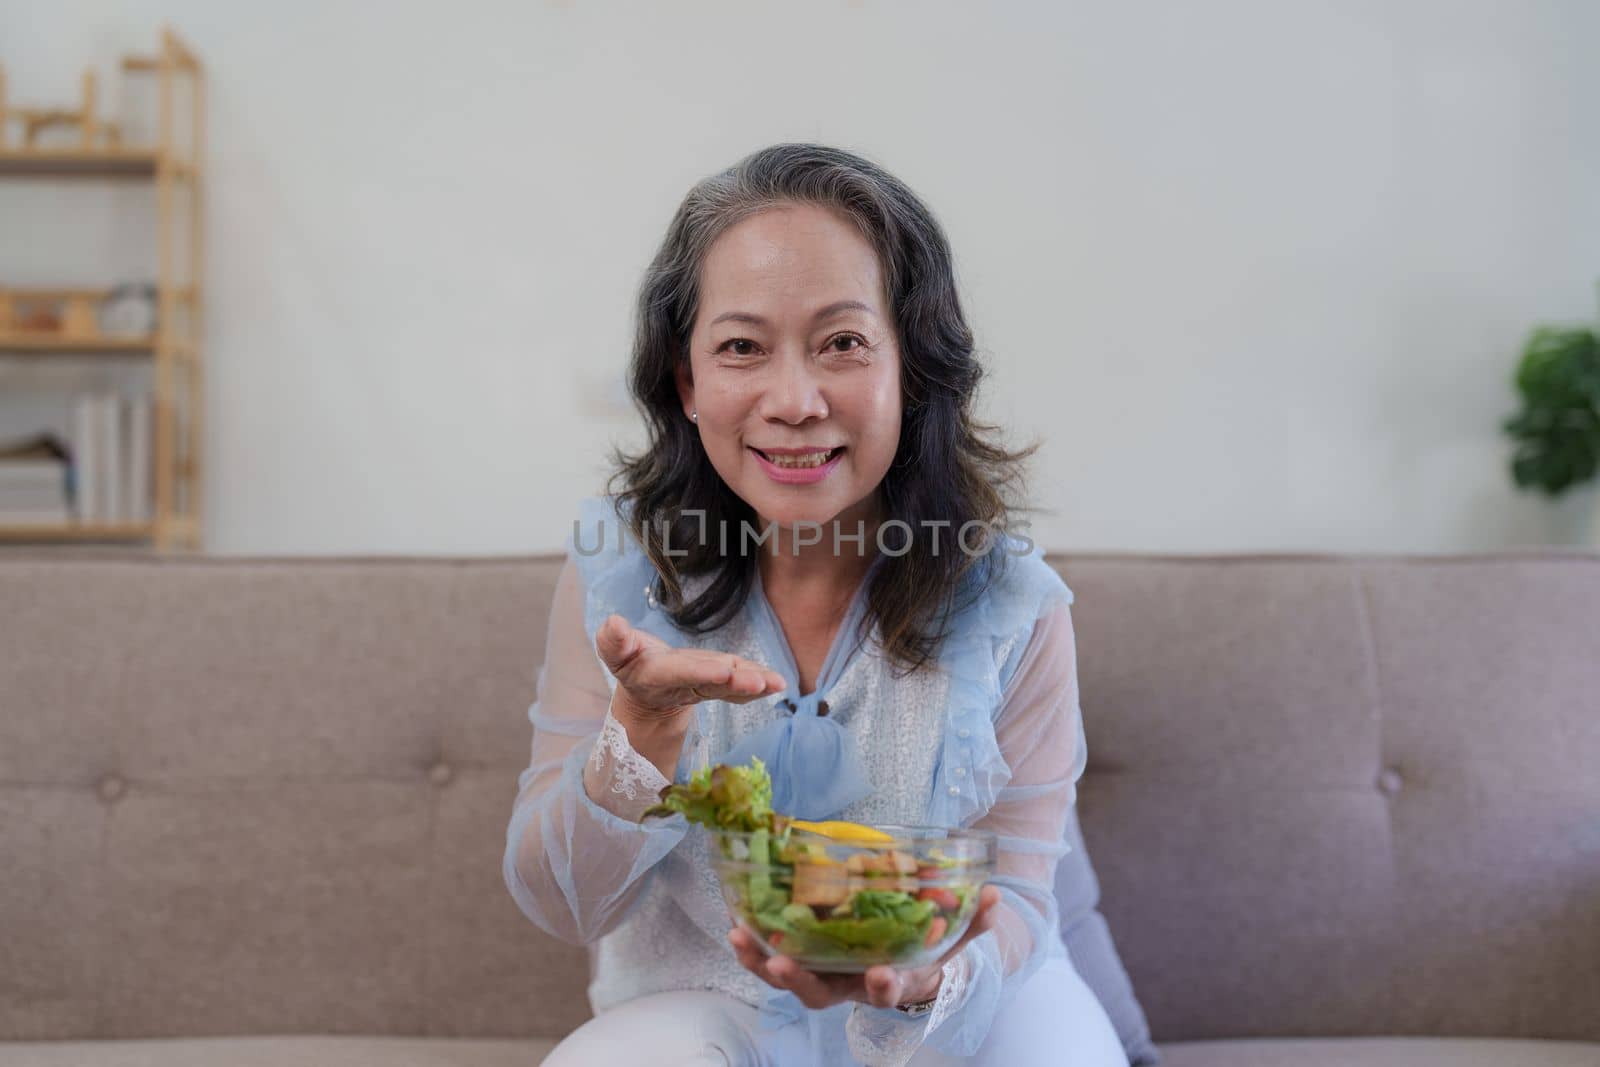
[{"x": 1258, "y": 271}]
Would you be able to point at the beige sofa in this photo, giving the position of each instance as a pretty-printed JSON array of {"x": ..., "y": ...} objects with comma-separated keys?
[{"x": 1344, "y": 810}]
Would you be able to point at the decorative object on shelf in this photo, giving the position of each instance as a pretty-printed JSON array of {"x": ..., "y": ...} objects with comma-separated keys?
[
  {"x": 39, "y": 320},
  {"x": 93, "y": 132},
  {"x": 1557, "y": 432},
  {"x": 39, "y": 446},
  {"x": 129, "y": 310}
]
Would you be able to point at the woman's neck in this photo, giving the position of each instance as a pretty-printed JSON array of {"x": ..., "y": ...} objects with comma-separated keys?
[
  {"x": 792, "y": 566},
  {"x": 810, "y": 594},
  {"x": 814, "y": 580}
]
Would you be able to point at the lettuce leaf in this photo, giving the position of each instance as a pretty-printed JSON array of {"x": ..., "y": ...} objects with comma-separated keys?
[{"x": 722, "y": 798}]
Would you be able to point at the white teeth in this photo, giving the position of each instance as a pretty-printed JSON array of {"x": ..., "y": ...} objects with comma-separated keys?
[{"x": 809, "y": 459}]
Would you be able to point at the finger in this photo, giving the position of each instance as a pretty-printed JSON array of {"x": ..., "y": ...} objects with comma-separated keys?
[
  {"x": 743, "y": 944},
  {"x": 617, "y": 643},
  {"x": 753, "y": 683},
  {"x": 771, "y": 680},
  {"x": 728, "y": 661},
  {"x": 813, "y": 992},
  {"x": 749, "y": 954},
  {"x": 710, "y": 680},
  {"x": 681, "y": 676},
  {"x": 718, "y": 676},
  {"x": 675, "y": 677},
  {"x": 988, "y": 900},
  {"x": 884, "y": 986},
  {"x": 982, "y": 920}
]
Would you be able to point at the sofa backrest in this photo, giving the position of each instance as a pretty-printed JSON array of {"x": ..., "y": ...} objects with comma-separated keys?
[{"x": 1325, "y": 795}]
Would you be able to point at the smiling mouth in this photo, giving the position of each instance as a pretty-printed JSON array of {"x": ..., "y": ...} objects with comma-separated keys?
[{"x": 801, "y": 461}]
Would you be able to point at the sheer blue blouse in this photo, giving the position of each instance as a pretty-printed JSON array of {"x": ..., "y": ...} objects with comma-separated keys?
[{"x": 989, "y": 735}]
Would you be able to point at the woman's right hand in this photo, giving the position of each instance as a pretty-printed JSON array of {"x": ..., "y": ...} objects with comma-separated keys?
[{"x": 658, "y": 684}]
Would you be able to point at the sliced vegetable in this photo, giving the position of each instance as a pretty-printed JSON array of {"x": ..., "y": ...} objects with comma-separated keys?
[{"x": 837, "y": 830}]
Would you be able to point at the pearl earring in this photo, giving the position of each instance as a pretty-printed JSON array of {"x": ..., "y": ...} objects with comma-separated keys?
[{"x": 694, "y": 416}]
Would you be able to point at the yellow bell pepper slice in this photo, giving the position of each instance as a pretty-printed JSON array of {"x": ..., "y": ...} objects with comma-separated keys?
[{"x": 838, "y": 830}]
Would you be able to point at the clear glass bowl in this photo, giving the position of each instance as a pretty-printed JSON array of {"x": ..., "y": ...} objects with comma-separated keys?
[{"x": 844, "y": 906}]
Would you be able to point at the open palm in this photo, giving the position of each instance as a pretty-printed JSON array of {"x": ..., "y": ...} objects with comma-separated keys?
[{"x": 661, "y": 682}]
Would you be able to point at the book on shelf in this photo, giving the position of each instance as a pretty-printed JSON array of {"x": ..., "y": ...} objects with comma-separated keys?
[
  {"x": 137, "y": 452},
  {"x": 85, "y": 425},
  {"x": 111, "y": 458},
  {"x": 33, "y": 492},
  {"x": 35, "y": 482}
]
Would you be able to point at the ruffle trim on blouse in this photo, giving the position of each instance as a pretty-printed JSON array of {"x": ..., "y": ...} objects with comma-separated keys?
[
  {"x": 971, "y": 770},
  {"x": 618, "y": 577}
]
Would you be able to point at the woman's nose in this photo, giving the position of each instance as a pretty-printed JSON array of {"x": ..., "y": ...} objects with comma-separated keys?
[{"x": 793, "y": 393}]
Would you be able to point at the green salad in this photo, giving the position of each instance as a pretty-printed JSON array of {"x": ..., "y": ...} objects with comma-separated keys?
[{"x": 831, "y": 895}]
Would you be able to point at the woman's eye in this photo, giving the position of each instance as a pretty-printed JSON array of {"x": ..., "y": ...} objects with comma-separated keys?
[{"x": 840, "y": 345}]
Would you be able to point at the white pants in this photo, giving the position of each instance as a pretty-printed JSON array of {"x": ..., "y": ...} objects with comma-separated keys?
[{"x": 1054, "y": 1021}]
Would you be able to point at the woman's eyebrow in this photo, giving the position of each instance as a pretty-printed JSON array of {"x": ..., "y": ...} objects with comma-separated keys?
[{"x": 836, "y": 308}]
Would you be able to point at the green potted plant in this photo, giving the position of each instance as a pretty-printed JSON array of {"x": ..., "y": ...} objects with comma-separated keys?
[{"x": 1557, "y": 432}]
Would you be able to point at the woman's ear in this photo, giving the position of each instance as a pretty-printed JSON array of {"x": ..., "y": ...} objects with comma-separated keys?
[{"x": 684, "y": 378}]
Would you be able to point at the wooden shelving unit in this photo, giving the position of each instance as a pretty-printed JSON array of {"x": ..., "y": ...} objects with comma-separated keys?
[{"x": 175, "y": 163}]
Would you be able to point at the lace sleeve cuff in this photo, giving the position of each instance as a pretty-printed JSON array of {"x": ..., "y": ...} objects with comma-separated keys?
[
  {"x": 952, "y": 990},
  {"x": 617, "y": 778},
  {"x": 880, "y": 1037}
]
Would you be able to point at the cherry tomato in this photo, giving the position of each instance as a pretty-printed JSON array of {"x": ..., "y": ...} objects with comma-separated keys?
[{"x": 943, "y": 899}]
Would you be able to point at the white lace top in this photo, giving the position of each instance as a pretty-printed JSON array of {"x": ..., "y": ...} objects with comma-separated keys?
[{"x": 990, "y": 737}]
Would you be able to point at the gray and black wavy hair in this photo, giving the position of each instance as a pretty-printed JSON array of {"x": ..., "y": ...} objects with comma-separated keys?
[{"x": 948, "y": 470}]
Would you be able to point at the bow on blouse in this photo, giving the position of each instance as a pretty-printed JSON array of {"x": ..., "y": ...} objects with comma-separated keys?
[{"x": 815, "y": 769}]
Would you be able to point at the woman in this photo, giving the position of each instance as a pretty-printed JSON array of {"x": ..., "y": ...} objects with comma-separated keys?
[{"x": 807, "y": 564}]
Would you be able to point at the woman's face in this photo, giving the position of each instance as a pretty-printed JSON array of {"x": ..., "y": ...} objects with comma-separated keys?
[{"x": 793, "y": 351}]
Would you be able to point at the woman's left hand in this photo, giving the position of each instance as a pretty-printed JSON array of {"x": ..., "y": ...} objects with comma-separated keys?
[{"x": 883, "y": 986}]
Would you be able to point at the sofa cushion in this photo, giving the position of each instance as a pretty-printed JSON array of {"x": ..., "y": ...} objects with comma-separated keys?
[
  {"x": 270, "y": 798},
  {"x": 1337, "y": 797},
  {"x": 278, "y": 1051},
  {"x": 1088, "y": 940},
  {"x": 1381, "y": 1052}
]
